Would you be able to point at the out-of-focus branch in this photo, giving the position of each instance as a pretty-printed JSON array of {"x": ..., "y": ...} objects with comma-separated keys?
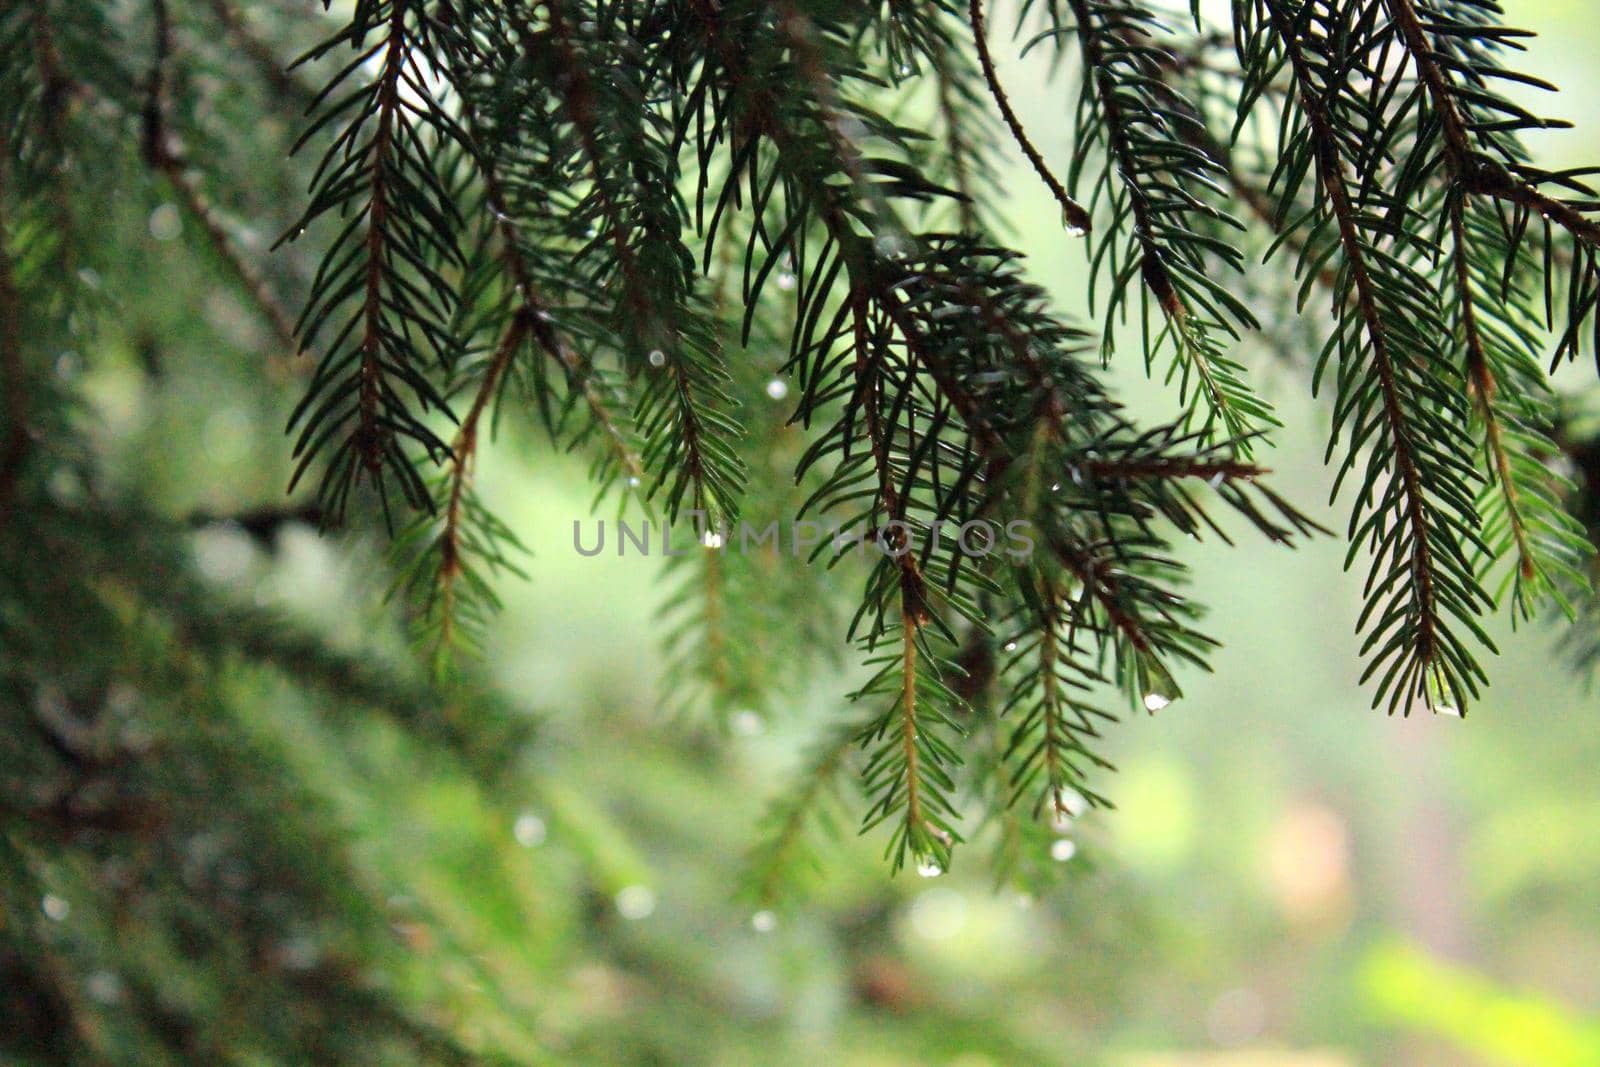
[
  {"x": 164, "y": 155},
  {"x": 273, "y": 71},
  {"x": 14, "y": 442}
]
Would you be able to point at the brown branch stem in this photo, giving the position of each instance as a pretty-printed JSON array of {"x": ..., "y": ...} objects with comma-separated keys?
[{"x": 1073, "y": 214}]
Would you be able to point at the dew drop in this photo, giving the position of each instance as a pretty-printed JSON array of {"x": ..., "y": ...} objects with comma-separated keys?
[
  {"x": 786, "y": 281},
  {"x": 713, "y": 539},
  {"x": 1072, "y": 228},
  {"x": 777, "y": 389},
  {"x": 1160, "y": 689},
  {"x": 633, "y": 481},
  {"x": 165, "y": 223},
  {"x": 1011, "y": 646},
  {"x": 658, "y": 358},
  {"x": 1063, "y": 850},
  {"x": 55, "y": 909},
  {"x": 747, "y": 724},
  {"x": 636, "y": 902},
  {"x": 930, "y": 867},
  {"x": 104, "y": 987},
  {"x": 1446, "y": 709},
  {"x": 529, "y": 830},
  {"x": 764, "y": 922}
]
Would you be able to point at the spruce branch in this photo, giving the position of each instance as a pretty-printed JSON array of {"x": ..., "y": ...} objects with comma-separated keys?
[
  {"x": 784, "y": 850},
  {"x": 1388, "y": 317},
  {"x": 1157, "y": 184},
  {"x": 503, "y": 204},
  {"x": 1496, "y": 333},
  {"x": 530, "y": 302},
  {"x": 381, "y": 174},
  {"x": 1048, "y": 743},
  {"x": 463, "y": 454},
  {"x": 577, "y": 371},
  {"x": 685, "y": 380},
  {"x": 1450, "y": 43}
]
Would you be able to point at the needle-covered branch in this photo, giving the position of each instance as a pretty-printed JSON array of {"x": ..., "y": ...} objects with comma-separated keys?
[{"x": 719, "y": 243}]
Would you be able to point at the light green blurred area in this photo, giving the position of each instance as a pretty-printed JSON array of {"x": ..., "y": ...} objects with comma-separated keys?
[{"x": 1290, "y": 879}]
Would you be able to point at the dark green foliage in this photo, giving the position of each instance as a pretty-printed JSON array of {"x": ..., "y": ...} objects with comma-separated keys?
[{"x": 743, "y": 256}]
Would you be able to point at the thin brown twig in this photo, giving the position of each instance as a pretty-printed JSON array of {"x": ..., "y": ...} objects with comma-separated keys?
[
  {"x": 463, "y": 454},
  {"x": 1073, "y": 213},
  {"x": 1483, "y": 386}
]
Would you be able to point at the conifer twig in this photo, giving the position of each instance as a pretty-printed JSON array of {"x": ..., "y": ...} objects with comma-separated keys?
[
  {"x": 1073, "y": 214},
  {"x": 1334, "y": 182},
  {"x": 372, "y": 435},
  {"x": 1472, "y": 176},
  {"x": 463, "y": 456}
]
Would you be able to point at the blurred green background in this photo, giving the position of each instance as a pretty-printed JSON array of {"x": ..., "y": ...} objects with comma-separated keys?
[{"x": 1289, "y": 878}]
